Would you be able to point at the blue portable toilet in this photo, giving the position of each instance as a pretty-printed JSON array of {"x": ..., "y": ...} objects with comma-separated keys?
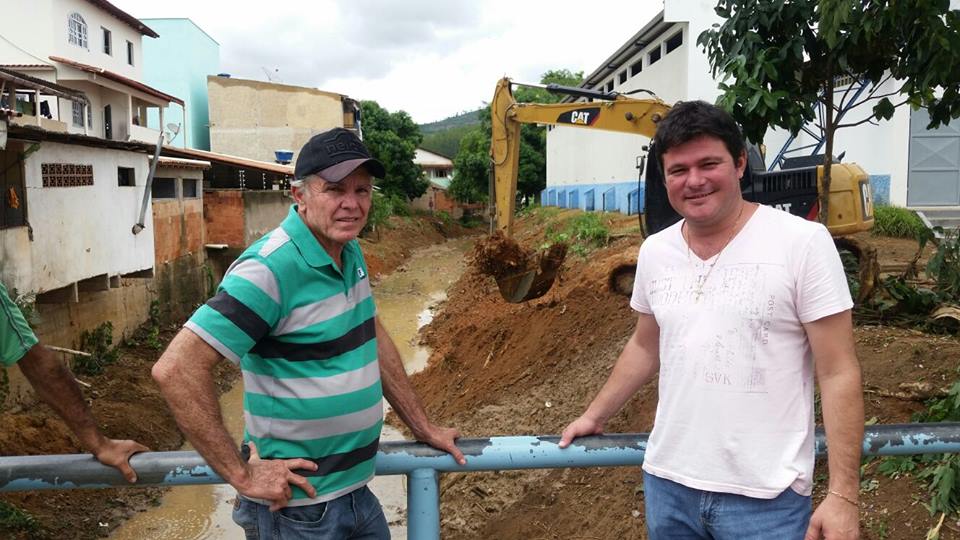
[
  {"x": 589, "y": 199},
  {"x": 574, "y": 198},
  {"x": 562, "y": 198},
  {"x": 552, "y": 198}
]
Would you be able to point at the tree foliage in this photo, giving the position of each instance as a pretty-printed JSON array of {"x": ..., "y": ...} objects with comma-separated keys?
[
  {"x": 393, "y": 138},
  {"x": 472, "y": 163},
  {"x": 781, "y": 59}
]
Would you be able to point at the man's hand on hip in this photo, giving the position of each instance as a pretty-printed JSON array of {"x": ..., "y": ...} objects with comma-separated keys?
[
  {"x": 270, "y": 479},
  {"x": 834, "y": 519}
]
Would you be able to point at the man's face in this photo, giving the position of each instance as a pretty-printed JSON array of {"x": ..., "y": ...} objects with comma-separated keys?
[
  {"x": 335, "y": 211},
  {"x": 703, "y": 182}
]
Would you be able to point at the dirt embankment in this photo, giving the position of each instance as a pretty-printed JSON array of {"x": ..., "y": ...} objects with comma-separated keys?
[
  {"x": 128, "y": 405},
  {"x": 512, "y": 369}
]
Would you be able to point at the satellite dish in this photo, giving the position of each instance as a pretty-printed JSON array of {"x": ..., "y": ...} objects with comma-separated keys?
[{"x": 171, "y": 132}]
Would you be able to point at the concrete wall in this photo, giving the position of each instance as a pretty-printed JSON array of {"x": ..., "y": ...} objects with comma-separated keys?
[
  {"x": 80, "y": 232},
  {"x": 263, "y": 211},
  {"x": 252, "y": 119},
  {"x": 178, "y": 63}
]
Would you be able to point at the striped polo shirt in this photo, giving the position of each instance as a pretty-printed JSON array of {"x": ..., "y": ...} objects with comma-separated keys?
[{"x": 303, "y": 333}]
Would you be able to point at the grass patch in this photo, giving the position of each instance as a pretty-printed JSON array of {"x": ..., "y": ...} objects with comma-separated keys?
[
  {"x": 15, "y": 519},
  {"x": 896, "y": 222},
  {"x": 98, "y": 343},
  {"x": 584, "y": 233}
]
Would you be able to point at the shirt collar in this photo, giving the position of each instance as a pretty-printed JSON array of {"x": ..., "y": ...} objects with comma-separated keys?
[{"x": 306, "y": 242}]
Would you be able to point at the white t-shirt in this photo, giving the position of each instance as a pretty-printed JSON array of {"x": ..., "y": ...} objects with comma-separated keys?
[{"x": 736, "y": 371}]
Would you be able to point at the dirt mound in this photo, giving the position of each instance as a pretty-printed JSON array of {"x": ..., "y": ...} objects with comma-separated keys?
[{"x": 530, "y": 368}]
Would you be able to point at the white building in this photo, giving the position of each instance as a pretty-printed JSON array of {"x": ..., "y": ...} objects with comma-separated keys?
[
  {"x": 91, "y": 46},
  {"x": 73, "y": 155},
  {"x": 908, "y": 165}
]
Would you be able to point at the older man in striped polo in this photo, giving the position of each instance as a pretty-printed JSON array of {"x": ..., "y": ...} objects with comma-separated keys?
[{"x": 295, "y": 311}]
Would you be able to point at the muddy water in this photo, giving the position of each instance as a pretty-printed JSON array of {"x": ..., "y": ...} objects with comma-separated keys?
[{"x": 405, "y": 299}]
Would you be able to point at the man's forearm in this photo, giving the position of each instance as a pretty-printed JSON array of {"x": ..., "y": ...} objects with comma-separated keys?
[
  {"x": 632, "y": 370},
  {"x": 841, "y": 401},
  {"x": 55, "y": 385},
  {"x": 191, "y": 394},
  {"x": 397, "y": 387}
]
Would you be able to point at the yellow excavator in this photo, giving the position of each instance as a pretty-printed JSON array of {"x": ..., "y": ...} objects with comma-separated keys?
[{"x": 793, "y": 190}]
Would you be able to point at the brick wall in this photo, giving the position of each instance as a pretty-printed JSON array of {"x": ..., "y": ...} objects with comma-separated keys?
[{"x": 223, "y": 217}]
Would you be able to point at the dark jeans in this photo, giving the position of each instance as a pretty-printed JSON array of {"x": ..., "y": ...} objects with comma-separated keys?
[
  {"x": 355, "y": 516},
  {"x": 676, "y": 512}
]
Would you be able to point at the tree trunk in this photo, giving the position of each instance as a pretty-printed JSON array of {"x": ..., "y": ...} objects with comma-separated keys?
[{"x": 828, "y": 132}]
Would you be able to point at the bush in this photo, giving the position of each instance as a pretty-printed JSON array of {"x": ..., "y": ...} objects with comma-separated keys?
[
  {"x": 896, "y": 222},
  {"x": 98, "y": 343}
]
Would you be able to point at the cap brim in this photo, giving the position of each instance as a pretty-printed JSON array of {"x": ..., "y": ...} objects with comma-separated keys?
[{"x": 338, "y": 172}]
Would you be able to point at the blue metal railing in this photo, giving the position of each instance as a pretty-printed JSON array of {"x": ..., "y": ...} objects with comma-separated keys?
[{"x": 422, "y": 464}]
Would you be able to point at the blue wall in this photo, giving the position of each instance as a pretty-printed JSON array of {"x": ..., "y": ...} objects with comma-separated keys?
[
  {"x": 178, "y": 63},
  {"x": 623, "y": 197}
]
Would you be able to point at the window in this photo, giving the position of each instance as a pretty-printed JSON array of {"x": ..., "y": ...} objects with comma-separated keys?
[
  {"x": 636, "y": 67},
  {"x": 164, "y": 188},
  {"x": 654, "y": 56},
  {"x": 66, "y": 174},
  {"x": 78, "y": 113},
  {"x": 126, "y": 177},
  {"x": 107, "y": 41},
  {"x": 622, "y": 77},
  {"x": 675, "y": 41},
  {"x": 77, "y": 28},
  {"x": 90, "y": 117},
  {"x": 440, "y": 173},
  {"x": 609, "y": 87},
  {"x": 190, "y": 188},
  {"x": 130, "y": 53}
]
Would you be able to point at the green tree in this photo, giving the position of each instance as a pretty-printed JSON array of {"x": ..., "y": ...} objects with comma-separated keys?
[
  {"x": 780, "y": 60},
  {"x": 472, "y": 179},
  {"x": 393, "y": 139}
]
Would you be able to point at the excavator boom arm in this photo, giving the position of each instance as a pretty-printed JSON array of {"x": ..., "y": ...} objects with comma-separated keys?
[{"x": 623, "y": 114}]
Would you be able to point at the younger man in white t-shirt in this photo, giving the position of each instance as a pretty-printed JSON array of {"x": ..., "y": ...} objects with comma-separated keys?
[{"x": 739, "y": 306}]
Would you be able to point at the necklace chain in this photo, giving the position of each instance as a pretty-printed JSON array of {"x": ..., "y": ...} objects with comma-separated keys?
[{"x": 702, "y": 280}]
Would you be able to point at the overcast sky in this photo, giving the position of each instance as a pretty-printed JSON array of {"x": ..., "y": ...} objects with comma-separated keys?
[{"x": 431, "y": 58}]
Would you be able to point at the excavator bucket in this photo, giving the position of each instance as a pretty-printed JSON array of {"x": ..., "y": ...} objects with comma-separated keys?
[
  {"x": 520, "y": 275},
  {"x": 523, "y": 286}
]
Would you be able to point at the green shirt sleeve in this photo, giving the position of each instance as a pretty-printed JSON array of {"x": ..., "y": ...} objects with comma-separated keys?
[{"x": 16, "y": 337}]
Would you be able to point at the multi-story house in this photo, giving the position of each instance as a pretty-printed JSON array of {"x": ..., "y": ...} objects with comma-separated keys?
[{"x": 75, "y": 155}]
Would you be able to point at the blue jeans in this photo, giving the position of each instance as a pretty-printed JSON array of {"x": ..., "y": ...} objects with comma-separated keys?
[
  {"x": 677, "y": 512},
  {"x": 356, "y": 516}
]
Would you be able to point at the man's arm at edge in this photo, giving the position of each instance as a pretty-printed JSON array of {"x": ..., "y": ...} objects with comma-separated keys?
[
  {"x": 399, "y": 391},
  {"x": 637, "y": 364}
]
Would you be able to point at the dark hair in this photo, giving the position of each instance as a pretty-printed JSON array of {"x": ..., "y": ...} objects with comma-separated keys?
[{"x": 688, "y": 120}]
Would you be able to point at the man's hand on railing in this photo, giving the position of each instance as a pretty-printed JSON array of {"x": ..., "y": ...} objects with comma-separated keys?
[
  {"x": 443, "y": 438},
  {"x": 580, "y": 427},
  {"x": 116, "y": 453},
  {"x": 270, "y": 479}
]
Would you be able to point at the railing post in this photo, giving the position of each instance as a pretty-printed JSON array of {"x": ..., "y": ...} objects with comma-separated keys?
[{"x": 423, "y": 505}]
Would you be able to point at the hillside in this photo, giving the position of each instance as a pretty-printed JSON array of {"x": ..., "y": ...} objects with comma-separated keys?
[{"x": 443, "y": 136}]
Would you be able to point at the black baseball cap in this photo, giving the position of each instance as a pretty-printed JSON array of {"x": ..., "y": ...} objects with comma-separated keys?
[{"x": 334, "y": 155}]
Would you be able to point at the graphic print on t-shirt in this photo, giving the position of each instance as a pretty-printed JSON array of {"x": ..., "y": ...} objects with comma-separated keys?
[{"x": 732, "y": 320}]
